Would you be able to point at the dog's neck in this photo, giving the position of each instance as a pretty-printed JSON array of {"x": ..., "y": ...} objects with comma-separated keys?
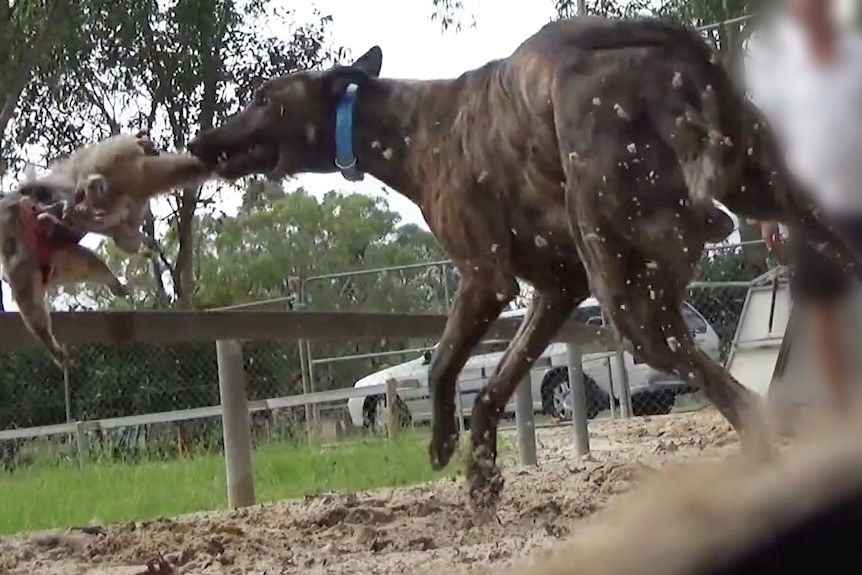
[{"x": 386, "y": 116}]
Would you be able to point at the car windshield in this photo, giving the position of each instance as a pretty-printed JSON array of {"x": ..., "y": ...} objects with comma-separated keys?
[{"x": 493, "y": 346}]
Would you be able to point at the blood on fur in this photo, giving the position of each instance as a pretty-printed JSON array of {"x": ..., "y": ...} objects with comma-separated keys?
[{"x": 38, "y": 253}]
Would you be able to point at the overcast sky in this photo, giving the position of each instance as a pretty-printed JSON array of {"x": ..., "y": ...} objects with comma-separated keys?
[{"x": 413, "y": 47}]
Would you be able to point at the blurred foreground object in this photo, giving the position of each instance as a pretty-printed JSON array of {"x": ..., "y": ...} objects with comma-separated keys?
[{"x": 800, "y": 512}]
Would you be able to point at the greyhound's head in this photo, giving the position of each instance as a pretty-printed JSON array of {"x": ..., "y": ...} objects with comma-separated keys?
[{"x": 289, "y": 126}]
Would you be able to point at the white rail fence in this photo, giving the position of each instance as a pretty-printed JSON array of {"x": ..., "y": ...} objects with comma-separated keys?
[{"x": 235, "y": 409}]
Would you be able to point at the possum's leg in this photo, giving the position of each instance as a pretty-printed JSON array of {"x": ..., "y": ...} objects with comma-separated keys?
[
  {"x": 160, "y": 173},
  {"x": 128, "y": 235},
  {"x": 74, "y": 264},
  {"x": 129, "y": 239},
  {"x": 30, "y": 294}
]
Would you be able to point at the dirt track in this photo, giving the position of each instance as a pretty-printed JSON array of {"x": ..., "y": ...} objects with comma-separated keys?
[{"x": 410, "y": 530}]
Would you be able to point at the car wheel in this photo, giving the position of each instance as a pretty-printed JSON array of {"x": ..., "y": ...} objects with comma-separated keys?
[
  {"x": 374, "y": 413},
  {"x": 657, "y": 403},
  {"x": 556, "y": 396}
]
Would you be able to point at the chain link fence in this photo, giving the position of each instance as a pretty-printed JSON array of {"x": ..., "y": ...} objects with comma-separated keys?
[
  {"x": 712, "y": 311},
  {"x": 110, "y": 381}
]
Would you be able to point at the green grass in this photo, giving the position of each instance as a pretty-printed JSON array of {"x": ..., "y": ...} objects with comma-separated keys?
[{"x": 62, "y": 495}]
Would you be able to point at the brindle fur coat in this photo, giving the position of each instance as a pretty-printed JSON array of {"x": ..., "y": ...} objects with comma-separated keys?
[{"x": 585, "y": 162}]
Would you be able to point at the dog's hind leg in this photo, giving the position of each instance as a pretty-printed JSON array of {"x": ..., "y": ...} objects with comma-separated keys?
[
  {"x": 659, "y": 333},
  {"x": 644, "y": 296},
  {"x": 548, "y": 310},
  {"x": 692, "y": 133},
  {"x": 648, "y": 312},
  {"x": 477, "y": 304}
]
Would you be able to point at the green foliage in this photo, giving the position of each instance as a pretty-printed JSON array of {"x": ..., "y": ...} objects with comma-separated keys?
[
  {"x": 32, "y": 32},
  {"x": 174, "y": 67},
  {"x": 273, "y": 239},
  {"x": 104, "y": 491}
]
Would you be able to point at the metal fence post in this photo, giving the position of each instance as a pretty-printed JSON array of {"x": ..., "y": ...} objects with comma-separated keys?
[
  {"x": 444, "y": 273},
  {"x": 82, "y": 443},
  {"x": 525, "y": 422},
  {"x": 459, "y": 406},
  {"x": 579, "y": 399},
  {"x": 67, "y": 393},
  {"x": 612, "y": 403},
  {"x": 67, "y": 397},
  {"x": 391, "y": 409},
  {"x": 625, "y": 391},
  {"x": 236, "y": 424}
]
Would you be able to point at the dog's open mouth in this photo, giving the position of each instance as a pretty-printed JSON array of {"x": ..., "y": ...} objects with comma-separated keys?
[{"x": 257, "y": 159}]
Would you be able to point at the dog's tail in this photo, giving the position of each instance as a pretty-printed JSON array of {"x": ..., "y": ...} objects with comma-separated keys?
[
  {"x": 783, "y": 198},
  {"x": 688, "y": 121}
]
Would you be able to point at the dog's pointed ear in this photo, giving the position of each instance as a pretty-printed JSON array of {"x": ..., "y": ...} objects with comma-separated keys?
[
  {"x": 370, "y": 62},
  {"x": 364, "y": 68}
]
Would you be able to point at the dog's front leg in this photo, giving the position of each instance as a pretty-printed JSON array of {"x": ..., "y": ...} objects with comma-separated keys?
[
  {"x": 476, "y": 305},
  {"x": 548, "y": 310}
]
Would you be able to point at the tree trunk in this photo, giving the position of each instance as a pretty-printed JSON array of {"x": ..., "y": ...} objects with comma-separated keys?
[
  {"x": 184, "y": 267},
  {"x": 11, "y": 93},
  {"x": 149, "y": 228},
  {"x": 183, "y": 272}
]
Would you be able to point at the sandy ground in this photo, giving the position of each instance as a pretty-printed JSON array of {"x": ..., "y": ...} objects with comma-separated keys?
[{"x": 422, "y": 529}]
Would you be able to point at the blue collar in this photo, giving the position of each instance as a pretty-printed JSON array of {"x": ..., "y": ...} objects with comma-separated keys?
[{"x": 345, "y": 159}]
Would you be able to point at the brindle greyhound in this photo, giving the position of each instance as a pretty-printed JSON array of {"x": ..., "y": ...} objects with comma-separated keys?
[{"x": 585, "y": 161}]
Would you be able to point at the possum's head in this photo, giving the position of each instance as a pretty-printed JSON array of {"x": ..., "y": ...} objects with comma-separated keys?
[{"x": 289, "y": 126}]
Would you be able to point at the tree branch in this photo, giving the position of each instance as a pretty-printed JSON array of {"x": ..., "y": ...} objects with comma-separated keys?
[
  {"x": 32, "y": 56},
  {"x": 92, "y": 97}
]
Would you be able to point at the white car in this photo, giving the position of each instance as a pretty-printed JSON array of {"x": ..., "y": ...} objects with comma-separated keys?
[{"x": 652, "y": 392}]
